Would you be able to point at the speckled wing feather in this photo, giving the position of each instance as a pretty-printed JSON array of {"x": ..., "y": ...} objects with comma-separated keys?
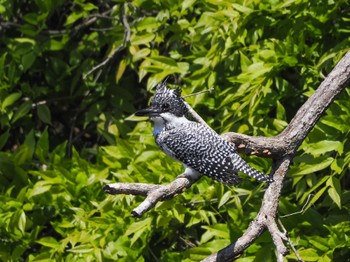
[{"x": 201, "y": 149}]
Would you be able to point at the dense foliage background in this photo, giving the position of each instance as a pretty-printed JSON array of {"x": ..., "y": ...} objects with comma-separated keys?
[{"x": 73, "y": 72}]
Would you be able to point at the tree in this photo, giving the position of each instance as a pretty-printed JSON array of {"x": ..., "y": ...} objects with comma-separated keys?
[{"x": 71, "y": 75}]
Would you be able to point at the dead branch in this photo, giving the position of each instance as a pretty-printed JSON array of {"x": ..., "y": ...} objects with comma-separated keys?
[{"x": 154, "y": 193}]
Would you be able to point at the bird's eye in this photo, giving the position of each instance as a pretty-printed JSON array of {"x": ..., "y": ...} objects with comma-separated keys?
[{"x": 165, "y": 106}]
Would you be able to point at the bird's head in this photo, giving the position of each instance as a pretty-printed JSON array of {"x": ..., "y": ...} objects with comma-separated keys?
[{"x": 165, "y": 101}]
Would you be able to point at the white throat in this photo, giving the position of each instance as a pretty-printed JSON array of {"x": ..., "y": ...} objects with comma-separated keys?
[{"x": 167, "y": 120}]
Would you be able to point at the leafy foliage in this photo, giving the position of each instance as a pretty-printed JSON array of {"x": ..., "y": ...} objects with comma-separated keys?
[{"x": 72, "y": 73}]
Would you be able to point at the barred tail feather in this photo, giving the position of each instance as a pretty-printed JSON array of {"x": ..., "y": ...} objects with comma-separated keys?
[
  {"x": 229, "y": 179},
  {"x": 240, "y": 165}
]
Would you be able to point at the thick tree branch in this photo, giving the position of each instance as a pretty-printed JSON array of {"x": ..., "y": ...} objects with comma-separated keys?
[{"x": 281, "y": 148}]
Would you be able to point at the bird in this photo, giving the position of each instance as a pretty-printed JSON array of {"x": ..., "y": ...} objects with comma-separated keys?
[{"x": 199, "y": 148}]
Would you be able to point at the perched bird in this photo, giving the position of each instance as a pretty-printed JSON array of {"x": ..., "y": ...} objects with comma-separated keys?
[{"x": 199, "y": 148}]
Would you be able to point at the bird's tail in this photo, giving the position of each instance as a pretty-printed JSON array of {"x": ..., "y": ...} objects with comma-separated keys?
[
  {"x": 230, "y": 179},
  {"x": 240, "y": 165}
]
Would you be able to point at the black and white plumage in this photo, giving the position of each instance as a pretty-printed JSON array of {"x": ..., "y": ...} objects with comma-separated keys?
[{"x": 199, "y": 148}]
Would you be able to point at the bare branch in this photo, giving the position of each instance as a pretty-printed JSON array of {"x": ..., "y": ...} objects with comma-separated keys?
[
  {"x": 111, "y": 56},
  {"x": 130, "y": 188},
  {"x": 271, "y": 147},
  {"x": 154, "y": 193},
  {"x": 91, "y": 19},
  {"x": 287, "y": 239},
  {"x": 302, "y": 209}
]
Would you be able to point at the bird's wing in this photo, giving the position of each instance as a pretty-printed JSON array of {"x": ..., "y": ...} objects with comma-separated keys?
[{"x": 201, "y": 150}]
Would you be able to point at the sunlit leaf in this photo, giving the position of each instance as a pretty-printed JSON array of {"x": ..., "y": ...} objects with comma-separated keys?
[
  {"x": 323, "y": 146},
  {"x": 48, "y": 242},
  {"x": 22, "y": 111},
  {"x": 226, "y": 197},
  {"x": 311, "y": 168},
  {"x": 40, "y": 188},
  {"x": 308, "y": 254},
  {"x": 10, "y": 99}
]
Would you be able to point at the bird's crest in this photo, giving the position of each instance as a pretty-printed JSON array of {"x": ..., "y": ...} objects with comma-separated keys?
[{"x": 171, "y": 98}]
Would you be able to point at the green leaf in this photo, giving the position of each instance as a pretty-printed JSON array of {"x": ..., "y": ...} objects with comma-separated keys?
[
  {"x": 28, "y": 60},
  {"x": 280, "y": 112},
  {"x": 2, "y": 9},
  {"x": 187, "y": 4},
  {"x": 144, "y": 39},
  {"x": 88, "y": 6},
  {"x": 163, "y": 60},
  {"x": 319, "y": 242},
  {"x": 49, "y": 242},
  {"x": 226, "y": 197},
  {"x": 324, "y": 146},
  {"x": 148, "y": 24},
  {"x": 241, "y": 8},
  {"x": 121, "y": 70},
  {"x": 22, "y": 111},
  {"x": 24, "y": 154},
  {"x": 334, "y": 195},
  {"x": 81, "y": 249},
  {"x": 334, "y": 190},
  {"x": 334, "y": 122},
  {"x": 3, "y": 138},
  {"x": 55, "y": 45},
  {"x": 73, "y": 17},
  {"x": 312, "y": 168},
  {"x": 316, "y": 186},
  {"x": 44, "y": 113},
  {"x": 42, "y": 146},
  {"x": 309, "y": 255},
  {"x": 138, "y": 228},
  {"x": 18, "y": 222},
  {"x": 40, "y": 188},
  {"x": 147, "y": 156},
  {"x": 22, "y": 221},
  {"x": 30, "y": 141},
  {"x": 315, "y": 198},
  {"x": 217, "y": 231},
  {"x": 10, "y": 99},
  {"x": 141, "y": 54}
]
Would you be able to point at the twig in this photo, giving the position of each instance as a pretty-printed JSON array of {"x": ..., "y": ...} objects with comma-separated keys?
[
  {"x": 104, "y": 62},
  {"x": 102, "y": 29},
  {"x": 126, "y": 40},
  {"x": 88, "y": 21},
  {"x": 302, "y": 209},
  {"x": 198, "y": 93},
  {"x": 286, "y": 238}
]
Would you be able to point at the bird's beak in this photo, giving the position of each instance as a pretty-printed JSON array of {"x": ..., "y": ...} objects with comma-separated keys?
[{"x": 150, "y": 111}]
